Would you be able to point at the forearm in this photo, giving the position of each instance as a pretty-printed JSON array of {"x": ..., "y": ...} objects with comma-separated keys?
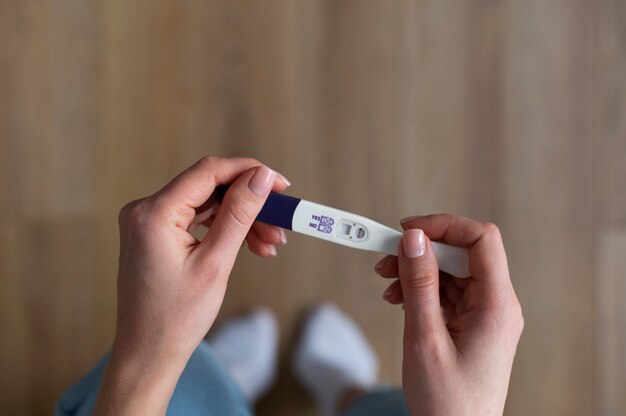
[{"x": 137, "y": 383}]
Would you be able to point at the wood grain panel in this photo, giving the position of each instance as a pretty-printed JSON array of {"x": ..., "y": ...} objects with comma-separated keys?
[
  {"x": 51, "y": 313},
  {"x": 611, "y": 321},
  {"x": 548, "y": 102},
  {"x": 53, "y": 108},
  {"x": 610, "y": 206},
  {"x": 8, "y": 50},
  {"x": 610, "y": 108},
  {"x": 507, "y": 111}
]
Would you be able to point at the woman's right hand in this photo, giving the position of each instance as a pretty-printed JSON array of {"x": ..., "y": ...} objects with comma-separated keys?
[
  {"x": 457, "y": 362},
  {"x": 170, "y": 284}
]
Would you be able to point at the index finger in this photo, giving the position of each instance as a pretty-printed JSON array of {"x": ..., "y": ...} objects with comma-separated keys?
[
  {"x": 487, "y": 257},
  {"x": 194, "y": 186}
]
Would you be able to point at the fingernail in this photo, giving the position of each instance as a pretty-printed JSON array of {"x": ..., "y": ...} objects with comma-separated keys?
[
  {"x": 273, "y": 251},
  {"x": 282, "y": 178},
  {"x": 381, "y": 263},
  {"x": 262, "y": 180},
  {"x": 414, "y": 243},
  {"x": 412, "y": 217},
  {"x": 283, "y": 236},
  {"x": 389, "y": 291}
]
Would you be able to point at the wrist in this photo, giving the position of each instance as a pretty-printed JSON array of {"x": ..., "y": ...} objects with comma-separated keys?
[{"x": 139, "y": 381}]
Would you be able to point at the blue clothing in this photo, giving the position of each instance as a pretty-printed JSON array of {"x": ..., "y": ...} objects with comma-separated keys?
[
  {"x": 205, "y": 388},
  {"x": 379, "y": 401}
]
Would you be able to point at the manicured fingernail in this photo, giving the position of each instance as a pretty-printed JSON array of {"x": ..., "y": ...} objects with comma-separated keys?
[
  {"x": 414, "y": 243},
  {"x": 283, "y": 236},
  {"x": 262, "y": 180},
  {"x": 273, "y": 251},
  {"x": 412, "y": 217},
  {"x": 381, "y": 264},
  {"x": 282, "y": 178},
  {"x": 389, "y": 291}
]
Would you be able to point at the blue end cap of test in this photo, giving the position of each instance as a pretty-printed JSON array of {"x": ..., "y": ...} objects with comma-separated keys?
[{"x": 278, "y": 210}]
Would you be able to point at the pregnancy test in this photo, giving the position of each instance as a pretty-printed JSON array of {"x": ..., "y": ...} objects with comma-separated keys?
[{"x": 347, "y": 229}]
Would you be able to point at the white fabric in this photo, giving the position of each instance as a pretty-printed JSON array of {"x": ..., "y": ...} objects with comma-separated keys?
[
  {"x": 333, "y": 355},
  {"x": 248, "y": 347}
]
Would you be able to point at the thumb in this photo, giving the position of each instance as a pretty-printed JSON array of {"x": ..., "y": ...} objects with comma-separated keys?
[
  {"x": 419, "y": 277},
  {"x": 242, "y": 203}
]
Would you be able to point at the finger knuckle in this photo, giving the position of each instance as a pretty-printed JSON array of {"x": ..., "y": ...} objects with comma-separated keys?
[
  {"x": 423, "y": 278},
  {"x": 492, "y": 230},
  {"x": 208, "y": 160},
  {"x": 252, "y": 161},
  {"x": 240, "y": 213},
  {"x": 158, "y": 209},
  {"x": 420, "y": 289},
  {"x": 126, "y": 211},
  {"x": 123, "y": 214},
  {"x": 137, "y": 213}
]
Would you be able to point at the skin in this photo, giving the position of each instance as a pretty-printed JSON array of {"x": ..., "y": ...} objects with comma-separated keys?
[
  {"x": 171, "y": 287},
  {"x": 457, "y": 362}
]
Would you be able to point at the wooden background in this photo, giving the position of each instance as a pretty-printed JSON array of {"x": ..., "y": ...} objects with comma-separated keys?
[{"x": 508, "y": 111}]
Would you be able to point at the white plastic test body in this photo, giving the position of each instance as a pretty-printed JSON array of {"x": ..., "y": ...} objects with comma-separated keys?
[
  {"x": 356, "y": 231},
  {"x": 348, "y": 229}
]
